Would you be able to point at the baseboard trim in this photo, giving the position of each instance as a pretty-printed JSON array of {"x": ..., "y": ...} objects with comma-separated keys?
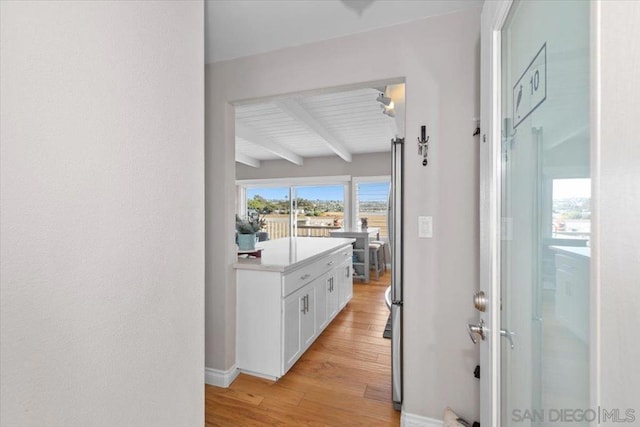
[
  {"x": 220, "y": 378},
  {"x": 413, "y": 420}
]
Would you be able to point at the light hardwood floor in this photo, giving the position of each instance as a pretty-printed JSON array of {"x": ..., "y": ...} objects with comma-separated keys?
[{"x": 343, "y": 379}]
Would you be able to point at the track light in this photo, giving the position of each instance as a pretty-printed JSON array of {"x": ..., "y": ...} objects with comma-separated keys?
[
  {"x": 385, "y": 100},
  {"x": 389, "y": 112}
]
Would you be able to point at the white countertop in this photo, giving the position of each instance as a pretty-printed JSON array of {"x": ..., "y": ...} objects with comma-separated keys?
[
  {"x": 370, "y": 231},
  {"x": 290, "y": 253},
  {"x": 573, "y": 250}
]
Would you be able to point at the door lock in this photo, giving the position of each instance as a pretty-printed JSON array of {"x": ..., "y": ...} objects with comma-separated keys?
[
  {"x": 480, "y": 301},
  {"x": 476, "y": 329}
]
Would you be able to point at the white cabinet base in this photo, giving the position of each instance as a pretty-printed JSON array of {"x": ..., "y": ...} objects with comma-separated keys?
[{"x": 280, "y": 315}]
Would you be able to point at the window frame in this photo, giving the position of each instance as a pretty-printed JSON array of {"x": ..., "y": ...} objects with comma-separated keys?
[
  {"x": 291, "y": 183},
  {"x": 355, "y": 181}
]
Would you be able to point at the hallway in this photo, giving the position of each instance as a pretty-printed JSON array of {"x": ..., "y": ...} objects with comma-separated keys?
[{"x": 343, "y": 379}]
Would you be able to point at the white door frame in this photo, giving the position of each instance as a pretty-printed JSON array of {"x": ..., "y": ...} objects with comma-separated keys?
[{"x": 494, "y": 14}]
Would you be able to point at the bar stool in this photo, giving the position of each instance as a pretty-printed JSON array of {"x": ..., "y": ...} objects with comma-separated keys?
[
  {"x": 374, "y": 258},
  {"x": 384, "y": 249}
]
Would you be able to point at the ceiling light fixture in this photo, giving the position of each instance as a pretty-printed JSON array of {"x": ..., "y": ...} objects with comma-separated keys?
[
  {"x": 386, "y": 104},
  {"x": 385, "y": 100},
  {"x": 389, "y": 112}
]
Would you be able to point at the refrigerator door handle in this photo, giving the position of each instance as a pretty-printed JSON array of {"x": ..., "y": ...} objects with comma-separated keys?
[
  {"x": 396, "y": 349},
  {"x": 396, "y": 297}
]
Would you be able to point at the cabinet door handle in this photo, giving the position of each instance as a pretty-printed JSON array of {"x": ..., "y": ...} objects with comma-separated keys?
[
  {"x": 330, "y": 263},
  {"x": 306, "y": 276}
]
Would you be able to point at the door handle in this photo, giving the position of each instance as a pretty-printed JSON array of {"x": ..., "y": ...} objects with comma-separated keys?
[
  {"x": 508, "y": 335},
  {"x": 476, "y": 329}
]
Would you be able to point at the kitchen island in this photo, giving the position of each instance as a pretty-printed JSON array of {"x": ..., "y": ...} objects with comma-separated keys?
[
  {"x": 361, "y": 262},
  {"x": 287, "y": 297}
]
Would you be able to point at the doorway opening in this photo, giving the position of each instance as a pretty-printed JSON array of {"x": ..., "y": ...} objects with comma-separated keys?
[{"x": 311, "y": 163}]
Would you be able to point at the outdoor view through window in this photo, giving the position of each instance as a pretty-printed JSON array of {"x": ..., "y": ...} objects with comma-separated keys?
[
  {"x": 317, "y": 209},
  {"x": 571, "y": 208}
]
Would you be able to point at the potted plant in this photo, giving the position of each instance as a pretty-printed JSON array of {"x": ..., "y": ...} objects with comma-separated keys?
[
  {"x": 263, "y": 234},
  {"x": 247, "y": 229}
]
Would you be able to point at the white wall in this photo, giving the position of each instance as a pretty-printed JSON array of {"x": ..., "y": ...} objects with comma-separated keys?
[
  {"x": 102, "y": 184},
  {"x": 372, "y": 164},
  {"x": 439, "y": 57},
  {"x": 617, "y": 218}
]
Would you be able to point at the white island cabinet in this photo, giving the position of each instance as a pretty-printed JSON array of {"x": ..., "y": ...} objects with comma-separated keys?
[
  {"x": 287, "y": 297},
  {"x": 572, "y": 288}
]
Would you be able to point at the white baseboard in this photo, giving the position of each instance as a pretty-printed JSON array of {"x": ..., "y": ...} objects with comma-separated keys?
[
  {"x": 258, "y": 374},
  {"x": 220, "y": 378},
  {"x": 413, "y": 420}
]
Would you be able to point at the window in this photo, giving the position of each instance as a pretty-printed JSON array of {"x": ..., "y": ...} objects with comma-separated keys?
[
  {"x": 571, "y": 208},
  {"x": 371, "y": 201},
  {"x": 317, "y": 205},
  {"x": 272, "y": 204}
]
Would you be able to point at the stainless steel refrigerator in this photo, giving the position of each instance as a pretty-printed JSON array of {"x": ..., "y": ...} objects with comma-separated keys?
[{"x": 395, "y": 245}]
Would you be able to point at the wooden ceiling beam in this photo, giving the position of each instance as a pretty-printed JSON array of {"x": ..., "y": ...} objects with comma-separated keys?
[
  {"x": 247, "y": 160},
  {"x": 296, "y": 111},
  {"x": 249, "y": 134}
]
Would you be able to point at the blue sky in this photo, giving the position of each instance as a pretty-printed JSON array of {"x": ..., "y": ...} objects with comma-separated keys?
[{"x": 367, "y": 191}]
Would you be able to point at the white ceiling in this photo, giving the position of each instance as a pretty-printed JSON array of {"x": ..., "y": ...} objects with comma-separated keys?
[
  {"x": 340, "y": 124},
  {"x": 237, "y": 28}
]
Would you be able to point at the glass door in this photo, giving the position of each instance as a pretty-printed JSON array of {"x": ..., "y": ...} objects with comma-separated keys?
[
  {"x": 318, "y": 209},
  {"x": 545, "y": 214}
]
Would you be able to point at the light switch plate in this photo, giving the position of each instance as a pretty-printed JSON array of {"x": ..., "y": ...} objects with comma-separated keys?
[{"x": 425, "y": 227}]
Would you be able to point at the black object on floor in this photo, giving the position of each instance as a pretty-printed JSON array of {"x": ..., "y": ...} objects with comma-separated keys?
[{"x": 387, "y": 329}]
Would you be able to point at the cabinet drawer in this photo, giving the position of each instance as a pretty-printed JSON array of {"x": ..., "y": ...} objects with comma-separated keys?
[
  {"x": 566, "y": 262},
  {"x": 341, "y": 255},
  {"x": 573, "y": 265},
  {"x": 337, "y": 258},
  {"x": 300, "y": 277}
]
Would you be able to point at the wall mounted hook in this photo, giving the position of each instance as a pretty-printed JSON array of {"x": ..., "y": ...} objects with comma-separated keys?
[{"x": 423, "y": 145}]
